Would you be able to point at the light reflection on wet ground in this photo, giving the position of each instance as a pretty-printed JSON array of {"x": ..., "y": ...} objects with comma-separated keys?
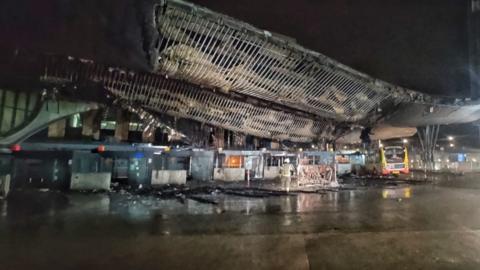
[
  {"x": 373, "y": 206},
  {"x": 376, "y": 205},
  {"x": 142, "y": 207}
]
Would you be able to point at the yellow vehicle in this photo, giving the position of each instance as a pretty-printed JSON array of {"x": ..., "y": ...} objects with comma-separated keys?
[{"x": 388, "y": 160}]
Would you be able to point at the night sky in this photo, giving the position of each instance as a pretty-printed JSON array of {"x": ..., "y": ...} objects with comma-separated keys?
[{"x": 418, "y": 44}]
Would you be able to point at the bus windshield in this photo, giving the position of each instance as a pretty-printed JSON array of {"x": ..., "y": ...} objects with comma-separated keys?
[{"x": 394, "y": 155}]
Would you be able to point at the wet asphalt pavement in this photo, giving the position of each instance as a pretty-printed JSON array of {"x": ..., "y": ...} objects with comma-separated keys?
[{"x": 369, "y": 224}]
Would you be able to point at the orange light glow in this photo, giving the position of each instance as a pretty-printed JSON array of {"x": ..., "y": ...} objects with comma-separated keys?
[{"x": 233, "y": 162}]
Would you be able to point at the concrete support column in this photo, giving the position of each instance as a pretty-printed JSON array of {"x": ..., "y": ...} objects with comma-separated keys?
[
  {"x": 227, "y": 139},
  {"x": 219, "y": 138},
  {"x": 428, "y": 137},
  {"x": 57, "y": 128},
  {"x": 122, "y": 125},
  {"x": 91, "y": 124},
  {"x": 256, "y": 143}
]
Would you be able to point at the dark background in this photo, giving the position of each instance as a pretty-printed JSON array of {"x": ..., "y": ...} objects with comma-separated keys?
[{"x": 419, "y": 44}]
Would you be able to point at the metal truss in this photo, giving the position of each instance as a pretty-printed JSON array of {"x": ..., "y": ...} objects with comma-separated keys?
[
  {"x": 428, "y": 137},
  {"x": 216, "y": 51},
  {"x": 181, "y": 99}
]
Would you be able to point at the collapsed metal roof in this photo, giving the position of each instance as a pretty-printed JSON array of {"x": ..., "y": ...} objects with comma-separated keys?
[
  {"x": 213, "y": 50},
  {"x": 172, "y": 57},
  {"x": 181, "y": 99}
]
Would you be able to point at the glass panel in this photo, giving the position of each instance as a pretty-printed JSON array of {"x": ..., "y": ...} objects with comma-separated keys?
[
  {"x": 10, "y": 99},
  {"x": 109, "y": 125},
  {"x": 22, "y": 101},
  {"x": 32, "y": 102},
  {"x": 394, "y": 155},
  {"x": 134, "y": 126},
  {"x": 7, "y": 119},
  {"x": 19, "y": 118}
]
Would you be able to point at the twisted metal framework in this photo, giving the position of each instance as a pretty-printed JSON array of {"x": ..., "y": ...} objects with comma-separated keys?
[
  {"x": 210, "y": 49},
  {"x": 428, "y": 137},
  {"x": 181, "y": 99}
]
